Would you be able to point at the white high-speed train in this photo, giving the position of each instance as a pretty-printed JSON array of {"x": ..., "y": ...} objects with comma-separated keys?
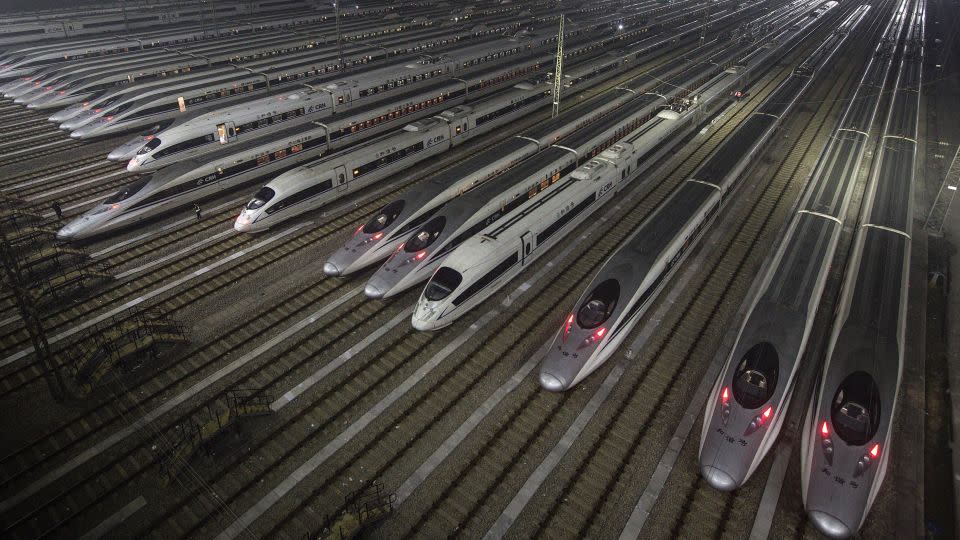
[
  {"x": 299, "y": 191},
  {"x": 487, "y": 261},
  {"x": 223, "y": 126}
]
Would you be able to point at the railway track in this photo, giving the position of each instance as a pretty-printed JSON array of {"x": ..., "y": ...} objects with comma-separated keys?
[
  {"x": 126, "y": 470},
  {"x": 52, "y": 449},
  {"x": 582, "y": 507},
  {"x": 14, "y": 336},
  {"x": 377, "y": 455},
  {"x": 688, "y": 506}
]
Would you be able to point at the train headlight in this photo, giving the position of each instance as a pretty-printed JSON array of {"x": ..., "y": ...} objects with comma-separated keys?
[
  {"x": 593, "y": 338},
  {"x": 827, "y": 443},
  {"x": 725, "y": 405},
  {"x": 566, "y": 328}
]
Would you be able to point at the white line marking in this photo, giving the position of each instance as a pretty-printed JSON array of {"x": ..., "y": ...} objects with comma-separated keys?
[
  {"x": 669, "y": 458},
  {"x": 549, "y": 463},
  {"x": 111, "y": 522},
  {"x": 9, "y": 320},
  {"x": 450, "y": 444},
  {"x": 340, "y": 360},
  {"x": 156, "y": 292},
  {"x": 820, "y": 214},
  {"x": 888, "y": 229},
  {"x": 164, "y": 228},
  {"x": 26, "y": 139},
  {"x": 57, "y": 176},
  {"x": 305, "y": 470},
  {"x": 75, "y": 185},
  {"x": 169, "y": 405},
  {"x": 188, "y": 249},
  {"x": 34, "y": 148},
  {"x": 771, "y": 493}
]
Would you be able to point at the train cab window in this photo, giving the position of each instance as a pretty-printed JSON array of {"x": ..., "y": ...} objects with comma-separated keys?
[
  {"x": 384, "y": 217},
  {"x": 261, "y": 198},
  {"x": 756, "y": 376},
  {"x": 127, "y": 191},
  {"x": 855, "y": 410},
  {"x": 599, "y": 305},
  {"x": 425, "y": 235},
  {"x": 443, "y": 282},
  {"x": 147, "y": 148}
]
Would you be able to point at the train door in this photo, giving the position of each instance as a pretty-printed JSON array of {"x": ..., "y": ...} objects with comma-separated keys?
[
  {"x": 226, "y": 132},
  {"x": 526, "y": 243},
  {"x": 341, "y": 178}
]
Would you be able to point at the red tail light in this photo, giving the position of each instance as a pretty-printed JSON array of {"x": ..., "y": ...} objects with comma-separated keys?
[
  {"x": 421, "y": 255},
  {"x": 378, "y": 236},
  {"x": 601, "y": 332},
  {"x": 767, "y": 413},
  {"x": 725, "y": 396},
  {"x": 566, "y": 329},
  {"x": 824, "y": 429},
  {"x": 360, "y": 228},
  {"x": 875, "y": 451}
]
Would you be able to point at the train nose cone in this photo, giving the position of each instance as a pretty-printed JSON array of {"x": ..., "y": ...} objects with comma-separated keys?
[
  {"x": 76, "y": 134},
  {"x": 373, "y": 291},
  {"x": 66, "y": 233},
  {"x": 718, "y": 479},
  {"x": 829, "y": 525},
  {"x": 331, "y": 269},
  {"x": 552, "y": 383}
]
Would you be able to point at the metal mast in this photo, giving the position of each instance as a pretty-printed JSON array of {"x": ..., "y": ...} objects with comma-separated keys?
[
  {"x": 31, "y": 320},
  {"x": 558, "y": 73},
  {"x": 336, "y": 7}
]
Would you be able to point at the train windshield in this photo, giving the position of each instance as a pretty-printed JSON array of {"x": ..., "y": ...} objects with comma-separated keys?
[
  {"x": 261, "y": 198},
  {"x": 127, "y": 191},
  {"x": 599, "y": 305},
  {"x": 425, "y": 235},
  {"x": 443, "y": 282},
  {"x": 149, "y": 147},
  {"x": 384, "y": 217},
  {"x": 855, "y": 410},
  {"x": 756, "y": 376}
]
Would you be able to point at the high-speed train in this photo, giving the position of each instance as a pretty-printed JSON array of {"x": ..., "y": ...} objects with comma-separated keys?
[
  {"x": 486, "y": 261},
  {"x": 631, "y": 278},
  {"x": 70, "y": 25},
  {"x": 378, "y": 238},
  {"x": 750, "y": 398},
  {"x": 424, "y": 248},
  {"x": 223, "y": 126},
  {"x": 236, "y": 165},
  {"x": 848, "y": 430},
  {"x": 158, "y": 102},
  {"x": 296, "y": 191},
  {"x": 78, "y": 83},
  {"x": 338, "y": 94},
  {"x": 23, "y": 61},
  {"x": 54, "y": 78},
  {"x": 145, "y": 98}
]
